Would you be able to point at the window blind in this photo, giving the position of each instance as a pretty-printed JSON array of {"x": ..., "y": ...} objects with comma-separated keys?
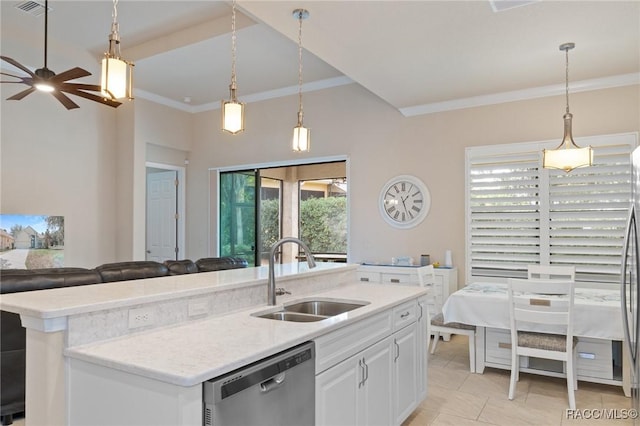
[{"x": 519, "y": 213}]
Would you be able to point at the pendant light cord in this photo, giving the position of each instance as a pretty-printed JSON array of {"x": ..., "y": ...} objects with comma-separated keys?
[
  {"x": 233, "y": 49},
  {"x": 114, "y": 37},
  {"x": 567, "y": 77},
  {"x": 300, "y": 111}
]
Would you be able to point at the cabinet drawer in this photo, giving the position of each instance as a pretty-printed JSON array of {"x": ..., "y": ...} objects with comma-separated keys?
[
  {"x": 404, "y": 314},
  {"x": 339, "y": 345},
  {"x": 498, "y": 346},
  {"x": 373, "y": 277},
  {"x": 399, "y": 279},
  {"x": 595, "y": 358}
]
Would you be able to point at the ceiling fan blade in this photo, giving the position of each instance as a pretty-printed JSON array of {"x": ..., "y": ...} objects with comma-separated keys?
[
  {"x": 64, "y": 99},
  {"x": 14, "y": 76},
  {"x": 71, "y": 74},
  {"x": 22, "y": 94},
  {"x": 90, "y": 96},
  {"x": 17, "y": 65},
  {"x": 82, "y": 86}
]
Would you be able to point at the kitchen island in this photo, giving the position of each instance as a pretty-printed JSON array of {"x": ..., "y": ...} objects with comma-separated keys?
[{"x": 88, "y": 359}]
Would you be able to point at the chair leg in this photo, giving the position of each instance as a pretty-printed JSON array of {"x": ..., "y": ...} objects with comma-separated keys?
[
  {"x": 514, "y": 373},
  {"x": 571, "y": 385},
  {"x": 436, "y": 337},
  {"x": 472, "y": 352}
]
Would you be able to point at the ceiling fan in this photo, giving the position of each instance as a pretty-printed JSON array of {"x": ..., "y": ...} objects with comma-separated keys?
[{"x": 48, "y": 81}]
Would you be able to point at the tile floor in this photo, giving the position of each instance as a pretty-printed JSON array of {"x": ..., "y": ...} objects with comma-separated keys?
[{"x": 457, "y": 397}]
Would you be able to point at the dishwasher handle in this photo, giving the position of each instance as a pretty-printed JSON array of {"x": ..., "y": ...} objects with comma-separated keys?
[{"x": 272, "y": 383}]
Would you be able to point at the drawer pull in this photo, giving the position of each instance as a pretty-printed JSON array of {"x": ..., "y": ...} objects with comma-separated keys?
[
  {"x": 586, "y": 355},
  {"x": 503, "y": 345},
  {"x": 395, "y": 280},
  {"x": 539, "y": 302},
  {"x": 406, "y": 314},
  {"x": 364, "y": 279}
]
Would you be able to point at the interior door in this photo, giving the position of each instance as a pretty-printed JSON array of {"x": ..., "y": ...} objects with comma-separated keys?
[
  {"x": 162, "y": 219},
  {"x": 239, "y": 220}
]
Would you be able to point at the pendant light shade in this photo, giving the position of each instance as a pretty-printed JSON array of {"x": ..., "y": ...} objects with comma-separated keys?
[
  {"x": 117, "y": 74},
  {"x": 233, "y": 110},
  {"x": 301, "y": 134},
  {"x": 568, "y": 155}
]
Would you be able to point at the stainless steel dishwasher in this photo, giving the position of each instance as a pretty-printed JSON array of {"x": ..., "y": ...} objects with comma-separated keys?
[{"x": 275, "y": 391}]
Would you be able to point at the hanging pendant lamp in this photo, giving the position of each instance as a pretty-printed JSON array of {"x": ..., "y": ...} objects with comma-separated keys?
[
  {"x": 233, "y": 110},
  {"x": 567, "y": 156},
  {"x": 117, "y": 74},
  {"x": 301, "y": 134}
]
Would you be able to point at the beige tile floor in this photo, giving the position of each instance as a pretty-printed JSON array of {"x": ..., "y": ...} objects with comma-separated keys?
[
  {"x": 457, "y": 397},
  {"x": 460, "y": 398}
]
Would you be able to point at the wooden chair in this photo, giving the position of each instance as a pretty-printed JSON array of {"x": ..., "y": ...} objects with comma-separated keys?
[
  {"x": 544, "y": 303},
  {"x": 551, "y": 272}
]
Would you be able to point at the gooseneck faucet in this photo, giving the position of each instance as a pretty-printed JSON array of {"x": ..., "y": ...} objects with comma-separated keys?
[{"x": 271, "y": 287}]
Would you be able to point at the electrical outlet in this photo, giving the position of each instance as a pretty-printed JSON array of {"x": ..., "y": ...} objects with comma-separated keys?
[
  {"x": 141, "y": 317},
  {"x": 198, "y": 307}
]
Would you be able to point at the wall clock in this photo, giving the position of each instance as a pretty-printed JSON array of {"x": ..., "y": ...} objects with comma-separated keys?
[{"x": 404, "y": 201}]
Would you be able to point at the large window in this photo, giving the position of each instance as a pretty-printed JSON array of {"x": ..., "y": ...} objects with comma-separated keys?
[{"x": 519, "y": 213}]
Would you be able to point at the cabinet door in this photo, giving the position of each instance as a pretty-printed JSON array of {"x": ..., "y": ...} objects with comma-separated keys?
[
  {"x": 375, "y": 399},
  {"x": 405, "y": 373},
  {"x": 337, "y": 393}
]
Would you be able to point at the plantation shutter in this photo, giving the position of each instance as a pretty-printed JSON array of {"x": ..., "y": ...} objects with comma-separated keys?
[
  {"x": 519, "y": 213},
  {"x": 588, "y": 211}
]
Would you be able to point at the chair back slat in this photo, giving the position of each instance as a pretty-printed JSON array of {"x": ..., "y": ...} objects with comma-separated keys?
[
  {"x": 541, "y": 301},
  {"x": 550, "y": 272}
]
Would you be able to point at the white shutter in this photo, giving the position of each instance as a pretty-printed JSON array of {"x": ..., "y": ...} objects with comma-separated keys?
[
  {"x": 519, "y": 213},
  {"x": 504, "y": 213},
  {"x": 588, "y": 210}
]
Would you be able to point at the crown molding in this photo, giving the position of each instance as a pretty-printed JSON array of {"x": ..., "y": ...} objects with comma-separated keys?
[{"x": 523, "y": 95}]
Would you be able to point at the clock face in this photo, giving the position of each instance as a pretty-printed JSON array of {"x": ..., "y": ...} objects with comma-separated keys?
[{"x": 404, "y": 201}]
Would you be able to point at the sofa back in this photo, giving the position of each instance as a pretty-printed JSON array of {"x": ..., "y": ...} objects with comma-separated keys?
[
  {"x": 17, "y": 280},
  {"x": 133, "y": 270}
]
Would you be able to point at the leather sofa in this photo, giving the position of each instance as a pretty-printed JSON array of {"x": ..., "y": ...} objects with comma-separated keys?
[{"x": 13, "y": 335}]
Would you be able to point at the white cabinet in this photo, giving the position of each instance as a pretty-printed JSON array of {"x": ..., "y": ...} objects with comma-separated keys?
[
  {"x": 422, "y": 360},
  {"x": 446, "y": 280},
  {"x": 376, "y": 385},
  {"x": 356, "y": 391},
  {"x": 405, "y": 372}
]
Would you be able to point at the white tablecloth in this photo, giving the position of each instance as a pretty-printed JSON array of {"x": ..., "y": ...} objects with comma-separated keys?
[{"x": 596, "y": 312}]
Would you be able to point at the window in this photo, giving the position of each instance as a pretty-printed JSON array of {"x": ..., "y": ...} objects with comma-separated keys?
[{"x": 519, "y": 213}]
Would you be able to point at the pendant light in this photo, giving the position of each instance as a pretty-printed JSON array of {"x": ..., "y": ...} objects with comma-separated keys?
[
  {"x": 117, "y": 74},
  {"x": 301, "y": 134},
  {"x": 233, "y": 110},
  {"x": 567, "y": 156}
]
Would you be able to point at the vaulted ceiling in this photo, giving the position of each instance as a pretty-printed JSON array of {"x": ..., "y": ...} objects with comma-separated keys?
[{"x": 418, "y": 56}]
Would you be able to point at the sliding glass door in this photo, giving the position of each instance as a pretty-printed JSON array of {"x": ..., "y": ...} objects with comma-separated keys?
[{"x": 238, "y": 215}]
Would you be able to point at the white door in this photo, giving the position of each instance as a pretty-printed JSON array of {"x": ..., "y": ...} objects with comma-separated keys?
[
  {"x": 405, "y": 373},
  {"x": 376, "y": 394},
  {"x": 162, "y": 219}
]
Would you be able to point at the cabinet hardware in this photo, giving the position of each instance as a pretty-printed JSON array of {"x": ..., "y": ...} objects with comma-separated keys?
[
  {"x": 366, "y": 371},
  {"x": 502, "y": 345},
  {"x": 395, "y": 342},
  {"x": 406, "y": 314},
  {"x": 361, "y": 382},
  {"x": 420, "y": 306},
  {"x": 364, "y": 279},
  {"x": 394, "y": 280},
  {"x": 586, "y": 355}
]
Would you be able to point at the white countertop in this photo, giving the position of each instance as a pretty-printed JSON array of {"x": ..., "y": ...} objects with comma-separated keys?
[
  {"x": 191, "y": 353},
  {"x": 60, "y": 302}
]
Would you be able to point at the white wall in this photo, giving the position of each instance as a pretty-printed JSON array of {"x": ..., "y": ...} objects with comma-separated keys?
[
  {"x": 74, "y": 163},
  {"x": 380, "y": 144}
]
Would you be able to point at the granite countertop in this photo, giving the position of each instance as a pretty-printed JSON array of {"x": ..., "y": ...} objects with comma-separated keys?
[{"x": 189, "y": 354}]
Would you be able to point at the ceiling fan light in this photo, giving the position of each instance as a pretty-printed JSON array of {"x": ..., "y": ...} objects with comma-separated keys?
[
  {"x": 44, "y": 86},
  {"x": 232, "y": 116},
  {"x": 114, "y": 78}
]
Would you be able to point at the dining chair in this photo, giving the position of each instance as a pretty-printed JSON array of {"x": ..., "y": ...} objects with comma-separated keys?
[
  {"x": 437, "y": 326},
  {"x": 546, "y": 306},
  {"x": 549, "y": 272}
]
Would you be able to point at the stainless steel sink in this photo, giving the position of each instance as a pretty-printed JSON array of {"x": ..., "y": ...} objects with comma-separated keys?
[
  {"x": 311, "y": 310},
  {"x": 291, "y": 316},
  {"x": 327, "y": 308}
]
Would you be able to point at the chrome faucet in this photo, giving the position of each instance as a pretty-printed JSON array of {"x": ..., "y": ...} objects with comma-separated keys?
[{"x": 271, "y": 287}]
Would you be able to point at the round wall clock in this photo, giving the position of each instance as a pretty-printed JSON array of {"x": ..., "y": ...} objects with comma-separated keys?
[{"x": 404, "y": 201}]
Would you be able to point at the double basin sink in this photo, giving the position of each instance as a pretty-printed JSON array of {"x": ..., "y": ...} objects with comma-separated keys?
[{"x": 310, "y": 310}]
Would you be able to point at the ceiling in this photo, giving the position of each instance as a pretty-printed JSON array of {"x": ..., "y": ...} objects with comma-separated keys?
[{"x": 418, "y": 56}]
